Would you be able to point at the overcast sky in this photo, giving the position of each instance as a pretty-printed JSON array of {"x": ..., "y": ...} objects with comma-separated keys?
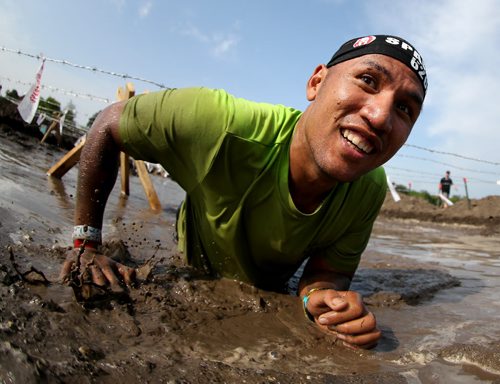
[{"x": 265, "y": 50}]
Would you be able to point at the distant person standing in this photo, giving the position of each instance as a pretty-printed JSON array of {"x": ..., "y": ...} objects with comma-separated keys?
[{"x": 445, "y": 186}]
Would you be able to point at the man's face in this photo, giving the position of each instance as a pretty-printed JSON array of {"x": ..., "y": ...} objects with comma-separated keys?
[{"x": 361, "y": 113}]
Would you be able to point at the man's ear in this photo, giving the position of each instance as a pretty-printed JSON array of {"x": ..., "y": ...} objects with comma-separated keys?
[{"x": 315, "y": 81}]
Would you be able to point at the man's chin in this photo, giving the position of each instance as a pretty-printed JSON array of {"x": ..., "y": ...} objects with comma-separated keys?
[
  {"x": 350, "y": 177},
  {"x": 344, "y": 178}
]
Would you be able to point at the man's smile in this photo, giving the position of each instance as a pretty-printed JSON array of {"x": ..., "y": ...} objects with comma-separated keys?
[{"x": 357, "y": 141}]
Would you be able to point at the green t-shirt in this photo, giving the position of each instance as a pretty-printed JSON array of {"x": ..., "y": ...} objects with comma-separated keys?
[{"x": 231, "y": 156}]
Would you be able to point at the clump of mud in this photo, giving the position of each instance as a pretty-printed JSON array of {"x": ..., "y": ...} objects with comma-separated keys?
[
  {"x": 393, "y": 287},
  {"x": 485, "y": 358}
]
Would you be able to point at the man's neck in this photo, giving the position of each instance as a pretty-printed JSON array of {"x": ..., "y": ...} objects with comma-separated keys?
[
  {"x": 305, "y": 200},
  {"x": 307, "y": 185}
]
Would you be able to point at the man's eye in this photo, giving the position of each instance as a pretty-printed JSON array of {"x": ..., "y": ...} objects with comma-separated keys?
[
  {"x": 368, "y": 80},
  {"x": 405, "y": 109}
]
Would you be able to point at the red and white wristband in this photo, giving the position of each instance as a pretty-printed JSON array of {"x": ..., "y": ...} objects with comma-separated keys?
[{"x": 87, "y": 236}]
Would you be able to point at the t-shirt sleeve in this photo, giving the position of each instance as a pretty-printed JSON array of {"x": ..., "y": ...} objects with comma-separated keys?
[
  {"x": 179, "y": 128},
  {"x": 345, "y": 254}
]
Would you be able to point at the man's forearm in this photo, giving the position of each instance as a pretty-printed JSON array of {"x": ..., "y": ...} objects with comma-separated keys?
[
  {"x": 318, "y": 274},
  {"x": 98, "y": 169},
  {"x": 329, "y": 280}
]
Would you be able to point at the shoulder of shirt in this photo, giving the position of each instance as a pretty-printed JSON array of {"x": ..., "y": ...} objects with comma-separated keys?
[
  {"x": 372, "y": 186},
  {"x": 374, "y": 183},
  {"x": 220, "y": 94},
  {"x": 377, "y": 177}
]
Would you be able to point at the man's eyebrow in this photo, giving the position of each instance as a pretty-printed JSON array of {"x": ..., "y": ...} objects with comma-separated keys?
[
  {"x": 378, "y": 67},
  {"x": 415, "y": 96}
]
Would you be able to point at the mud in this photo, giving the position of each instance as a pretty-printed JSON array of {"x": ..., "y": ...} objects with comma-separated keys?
[{"x": 433, "y": 286}]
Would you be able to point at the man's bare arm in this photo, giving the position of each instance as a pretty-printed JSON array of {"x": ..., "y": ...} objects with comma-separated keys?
[{"x": 99, "y": 164}]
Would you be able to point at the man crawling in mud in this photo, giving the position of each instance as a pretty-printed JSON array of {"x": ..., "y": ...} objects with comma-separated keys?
[{"x": 267, "y": 186}]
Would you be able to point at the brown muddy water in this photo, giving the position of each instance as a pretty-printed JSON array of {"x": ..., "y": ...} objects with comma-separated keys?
[{"x": 434, "y": 289}]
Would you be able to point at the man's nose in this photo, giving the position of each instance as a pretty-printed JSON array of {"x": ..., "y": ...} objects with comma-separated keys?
[{"x": 378, "y": 112}]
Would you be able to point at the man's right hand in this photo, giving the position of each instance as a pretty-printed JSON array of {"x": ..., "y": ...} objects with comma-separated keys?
[
  {"x": 343, "y": 314},
  {"x": 103, "y": 270}
]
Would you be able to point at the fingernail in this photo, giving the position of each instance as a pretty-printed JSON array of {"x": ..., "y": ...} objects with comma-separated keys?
[
  {"x": 337, "y": 301},
  {"x": 340, "y": 336},
  {"x": 350, "y": 346},
  {"x": 323, "y": 320}
]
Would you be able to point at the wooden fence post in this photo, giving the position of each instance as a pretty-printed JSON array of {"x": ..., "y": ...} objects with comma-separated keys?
[
  {"x": 68, "y": 161},
  {"x": 51, "y": 128},
  {"x": 142, "y": 172},
  {"x": 125, "y": 94}
]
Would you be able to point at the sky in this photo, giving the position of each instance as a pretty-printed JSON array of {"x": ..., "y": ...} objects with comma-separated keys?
[{"x": 265, "y": 50}]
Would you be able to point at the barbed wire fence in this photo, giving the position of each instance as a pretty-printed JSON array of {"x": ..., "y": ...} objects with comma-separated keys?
[
  {"x": 72, "y": 126},
  {"x": 85, "y": 67},
  {"x": 406, "y": 172}
]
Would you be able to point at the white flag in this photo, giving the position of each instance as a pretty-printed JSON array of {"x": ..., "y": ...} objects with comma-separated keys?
[
  {"x": 445, "y": 199},
  {"x": 394, "y": 193},
  {"x": 29, "y": 104},
  {"x": 61, "y": 121}
]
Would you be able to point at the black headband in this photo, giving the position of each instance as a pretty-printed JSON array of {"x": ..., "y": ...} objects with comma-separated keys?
[{"x": 392, "y": 46}]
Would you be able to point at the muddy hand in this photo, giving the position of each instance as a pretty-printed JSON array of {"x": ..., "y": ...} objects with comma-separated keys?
[
  {"x": 103, "y": 270},
  {"x": 344, "y": 314}
]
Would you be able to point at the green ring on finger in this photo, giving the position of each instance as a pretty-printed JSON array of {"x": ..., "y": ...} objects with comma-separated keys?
[{"x": 305, "y": 300}]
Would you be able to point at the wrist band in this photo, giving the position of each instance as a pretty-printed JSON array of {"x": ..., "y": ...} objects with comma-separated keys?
[
  {"x": 77, "y": 243},
  {"x": 86, "y": 232},
  {"x": 305, "y": 299}
]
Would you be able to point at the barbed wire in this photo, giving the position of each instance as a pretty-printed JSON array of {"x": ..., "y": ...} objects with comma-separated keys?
[
  {"x": 60, "y": 90},
  {"x": 447, "y": 164},
  {"x": 451, "y": 154},
  {"x": 126, "y": 76},
  {"x": 412, "y": 171},
  {"x": 421, "y": 173},
  {"x": 88, "y": 68}
]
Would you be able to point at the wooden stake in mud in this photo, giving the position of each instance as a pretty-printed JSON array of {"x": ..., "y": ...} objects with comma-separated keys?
[
  {"x": 67, "y": 162},
  {"x": 154, "y": 202},
  {"x": 51, "y": 128},
  {"x": 73, "y": 156},
  {"x": 124, "y": 173},
  {"x": 467, "y": 192},
  {"x": 143, "y": 173},
  {"x": 125, "y": 94}
]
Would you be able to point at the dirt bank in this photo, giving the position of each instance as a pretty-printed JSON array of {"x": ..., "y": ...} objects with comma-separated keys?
[{"x": 484, "y": 212}]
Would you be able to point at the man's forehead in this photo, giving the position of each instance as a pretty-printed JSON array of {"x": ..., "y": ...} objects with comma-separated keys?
[
  {"x": 388, "y": 66},
  {"x": 390, "y": 46},
  {"x": 374, "y": 61}
]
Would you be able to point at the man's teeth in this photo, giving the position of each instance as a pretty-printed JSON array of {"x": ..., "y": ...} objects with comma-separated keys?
[{"x": 358, "y": 141}]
